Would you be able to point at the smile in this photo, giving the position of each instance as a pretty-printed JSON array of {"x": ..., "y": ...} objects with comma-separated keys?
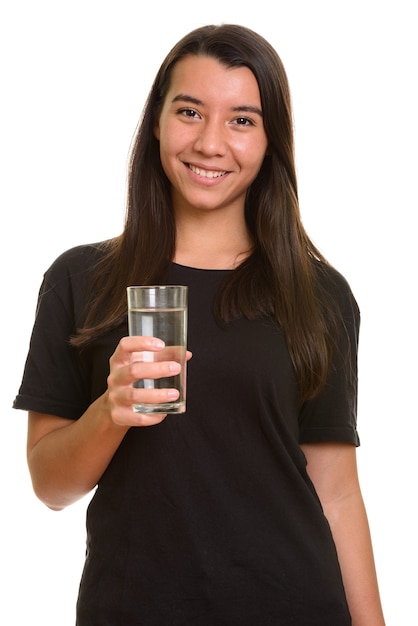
[{"x": 207, "y": 173}]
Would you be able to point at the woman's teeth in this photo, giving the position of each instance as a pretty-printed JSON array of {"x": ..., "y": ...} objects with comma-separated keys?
[{"x": 207, "y": 173}]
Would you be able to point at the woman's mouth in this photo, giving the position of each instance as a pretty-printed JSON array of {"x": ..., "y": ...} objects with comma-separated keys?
[{"x": 206, "y": 173}]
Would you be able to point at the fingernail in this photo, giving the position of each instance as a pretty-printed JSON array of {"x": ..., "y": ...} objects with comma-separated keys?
[{"x": 175, "y": 367}]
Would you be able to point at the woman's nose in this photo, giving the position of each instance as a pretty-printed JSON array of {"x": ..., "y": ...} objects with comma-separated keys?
[{"x": 211, "y": 139}]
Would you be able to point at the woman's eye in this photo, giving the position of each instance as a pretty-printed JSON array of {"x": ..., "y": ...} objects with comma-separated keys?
[
  {"x": 188, "y": 113},
  {"x": 243, "y": 121}
]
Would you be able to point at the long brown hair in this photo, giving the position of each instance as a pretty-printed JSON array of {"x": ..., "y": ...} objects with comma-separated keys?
[{"x": 280, "y": 277}]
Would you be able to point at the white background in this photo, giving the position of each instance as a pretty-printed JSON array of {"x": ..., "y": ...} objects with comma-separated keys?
[{"x": 74, "y": 77}]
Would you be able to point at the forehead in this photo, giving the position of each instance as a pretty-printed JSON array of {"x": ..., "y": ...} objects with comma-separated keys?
[{"x": 199, "y": 75}]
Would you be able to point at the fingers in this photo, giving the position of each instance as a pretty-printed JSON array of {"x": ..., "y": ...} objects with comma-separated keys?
[
  {"x": 134, "y": 345},
  {"x": 126, "y": 375},
  {"x": 120, "y": 382},
  {"x": 136, "y": 359}
]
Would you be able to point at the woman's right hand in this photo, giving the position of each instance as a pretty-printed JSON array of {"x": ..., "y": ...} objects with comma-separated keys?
[
  {"x": 127, "y": 365},
  {"x": 67, "y": 457}
]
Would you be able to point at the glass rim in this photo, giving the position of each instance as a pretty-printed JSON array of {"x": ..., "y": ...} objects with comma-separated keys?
[{"x": 156, "y": 287}]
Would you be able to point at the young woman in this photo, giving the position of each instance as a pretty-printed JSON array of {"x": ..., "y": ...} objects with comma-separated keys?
[{"x": 246, "y": 510}]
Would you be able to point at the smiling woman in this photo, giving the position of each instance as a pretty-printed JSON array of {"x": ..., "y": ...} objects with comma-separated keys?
[
  {"x": 247, "y": 509},
  {"x": 210, "y": 152}
]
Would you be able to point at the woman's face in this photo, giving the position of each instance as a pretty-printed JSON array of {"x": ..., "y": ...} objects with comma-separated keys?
[{"x": 211, "y": 134}]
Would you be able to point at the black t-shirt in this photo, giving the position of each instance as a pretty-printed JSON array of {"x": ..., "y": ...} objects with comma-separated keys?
[{"x": 209, "y": 518}]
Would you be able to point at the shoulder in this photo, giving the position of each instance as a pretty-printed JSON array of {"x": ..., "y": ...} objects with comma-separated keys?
[
  {"x": 336, "y": 289},
  {"x": 68, "y": 281},
  {"x": 81, "y": 257},
  {"x": 76, "y": 262},
  {"x": 331, "y": 279}
]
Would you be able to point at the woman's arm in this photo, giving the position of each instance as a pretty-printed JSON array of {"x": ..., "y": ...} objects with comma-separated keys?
[
  {"x": 66, "y": 458},
  {"x": 332, "y": 468}
]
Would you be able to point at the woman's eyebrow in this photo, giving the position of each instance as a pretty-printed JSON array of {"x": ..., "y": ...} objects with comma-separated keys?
[
  {"x": 248, "y": 108},
  {"x": 244, "y": 108},
  {"x": 185, "y": 98}
]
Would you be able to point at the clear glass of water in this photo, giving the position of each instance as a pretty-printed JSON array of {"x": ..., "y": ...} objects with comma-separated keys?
[{"x": 161, "y": 311}]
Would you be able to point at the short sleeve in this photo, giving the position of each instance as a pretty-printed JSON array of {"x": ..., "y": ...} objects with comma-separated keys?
[
  {"x": 54, "y": 379},
  {"x": 332, "y": 415}
]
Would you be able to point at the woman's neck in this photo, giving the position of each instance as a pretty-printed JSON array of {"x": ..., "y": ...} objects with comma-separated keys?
[{"x": 207, "y": 243}]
